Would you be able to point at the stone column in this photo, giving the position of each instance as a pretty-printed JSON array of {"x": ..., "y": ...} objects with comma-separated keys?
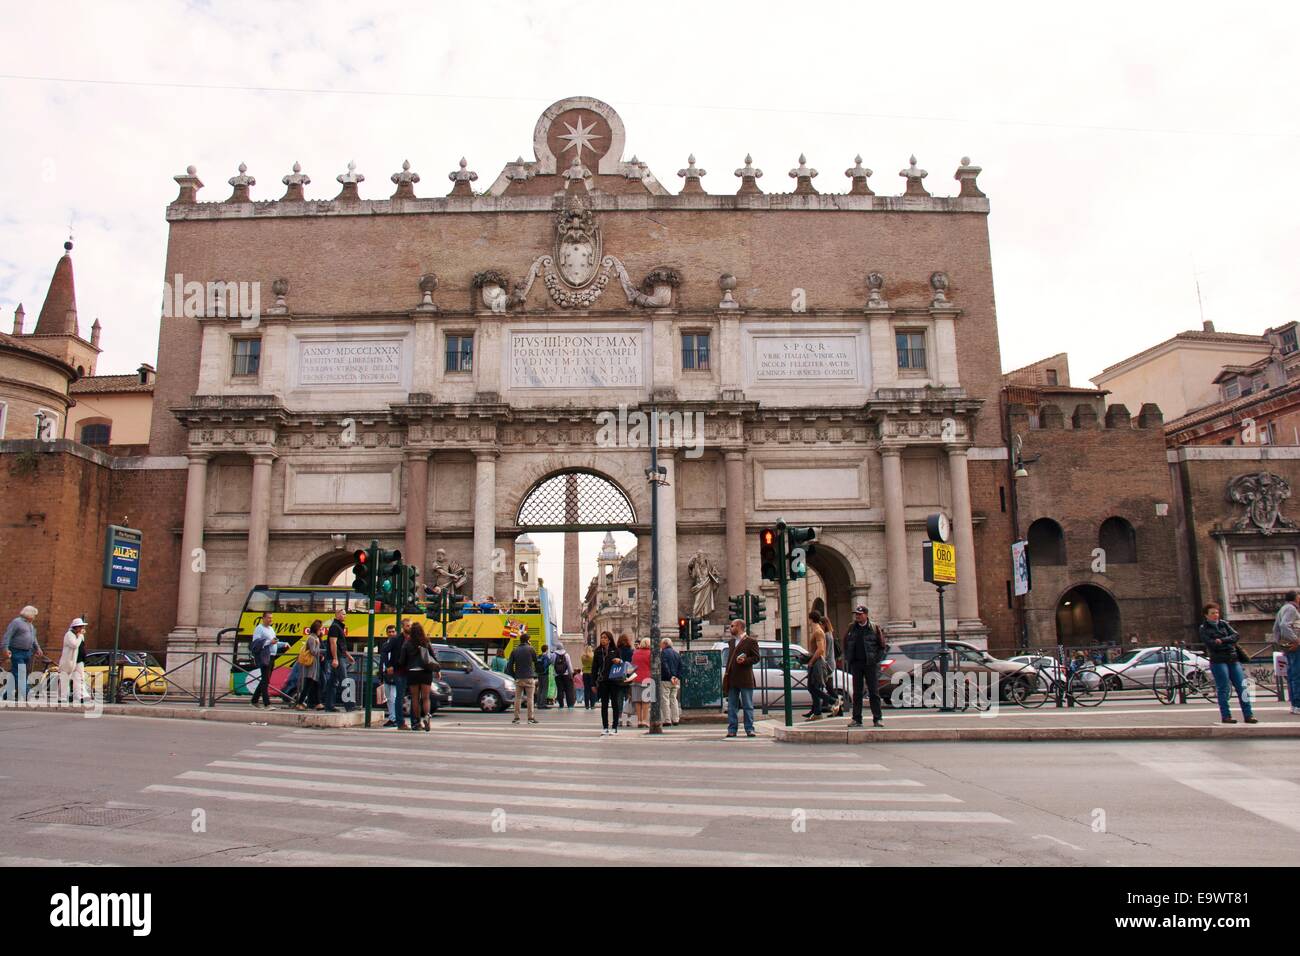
[
  {"x": 259, "y": 518},
  {"x": 896, "y": 556},
  {"x": 963, "y": 534},
  {"x": 737, "y": 578},
  {"x": 485, "y": 523},
  {"x": 572, "y": 609},
  {"x": 187, "y": 599},
  {"x": 667, "y": 543},
  {"x": 417, "y": 507}
]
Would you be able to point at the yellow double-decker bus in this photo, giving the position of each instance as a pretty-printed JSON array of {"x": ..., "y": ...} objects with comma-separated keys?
[{"x": 491, "y": 630}]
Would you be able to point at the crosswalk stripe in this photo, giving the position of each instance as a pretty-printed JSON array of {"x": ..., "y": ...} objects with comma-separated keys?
[
  {"x": 8, "y": 861},
  {"x": 728, "y": 795},
  {"x": 1272, "y": 798},
  {"x": 522, "y": 821},
  {"x": 507, "y": 772},
  {"x": 324, "y": 745},
  {"x": 610, "y": 805},
  {"x": 623, "y": 854},
  {"x": 315, "y": 858}
]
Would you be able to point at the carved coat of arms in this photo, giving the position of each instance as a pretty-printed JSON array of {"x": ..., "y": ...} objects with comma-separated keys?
[
  {"x": 1262, "y": 494},
  {"x": 577, "y": 247}
]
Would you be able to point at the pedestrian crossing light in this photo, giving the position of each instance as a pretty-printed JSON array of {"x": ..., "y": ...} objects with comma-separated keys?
[
  {"x": 736, "y": 608},
  {"x": 388, "y": 576},
  {"x": 408, "y": 587},
  {"x": 759, "y": 607},
  {"x": 683, "y": 630},
  {"x": 767, "y": 554},
  {"x": 801, "y": 549}
]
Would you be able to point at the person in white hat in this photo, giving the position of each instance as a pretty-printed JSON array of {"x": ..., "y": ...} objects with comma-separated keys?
[{"x": 72, "y": 662}]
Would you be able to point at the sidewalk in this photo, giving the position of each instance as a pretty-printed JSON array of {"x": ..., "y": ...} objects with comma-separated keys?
[
  {"x": 1118, "y": 720},
  {"x": 243, "y": 713}
]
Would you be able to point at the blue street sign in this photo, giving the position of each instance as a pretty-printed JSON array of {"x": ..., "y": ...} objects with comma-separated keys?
[{"x": 122, "y": 558}]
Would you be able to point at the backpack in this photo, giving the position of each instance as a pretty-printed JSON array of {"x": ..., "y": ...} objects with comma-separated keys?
[
  {"x": 561, "y": 665},
  {"x": 305, "y": 657},
  {"x": 880, "y": 639}
]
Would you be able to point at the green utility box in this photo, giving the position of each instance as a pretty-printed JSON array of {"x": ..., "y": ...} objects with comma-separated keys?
[{"x": 701, "y": 679}]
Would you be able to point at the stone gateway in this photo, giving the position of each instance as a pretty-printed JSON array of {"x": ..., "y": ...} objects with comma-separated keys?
[{"x": 839, "y": 348}]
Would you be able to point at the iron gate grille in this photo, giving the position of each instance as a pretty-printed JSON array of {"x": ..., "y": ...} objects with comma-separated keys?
[{"x": 575, "y": 500}]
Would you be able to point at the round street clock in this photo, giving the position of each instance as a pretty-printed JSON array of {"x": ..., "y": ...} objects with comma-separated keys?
[{"x": 937, "y": 527}]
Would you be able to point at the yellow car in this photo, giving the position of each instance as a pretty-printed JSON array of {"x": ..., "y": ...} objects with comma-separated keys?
[{"x": 141, "y": 674}]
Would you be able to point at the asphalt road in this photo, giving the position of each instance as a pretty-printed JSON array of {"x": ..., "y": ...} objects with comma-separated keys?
[{"x": 478, "y": 791}]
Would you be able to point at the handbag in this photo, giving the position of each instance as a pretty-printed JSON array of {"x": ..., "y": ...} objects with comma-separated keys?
[
  {"x": 1242, "y": 656},
  {"x": 618, "y": 670}
]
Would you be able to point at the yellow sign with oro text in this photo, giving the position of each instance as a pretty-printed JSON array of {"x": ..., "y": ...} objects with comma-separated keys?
[{"x": 940, "y": 562}]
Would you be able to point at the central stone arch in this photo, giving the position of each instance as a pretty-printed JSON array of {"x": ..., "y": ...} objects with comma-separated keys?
[{"x": 575, "y": 499}]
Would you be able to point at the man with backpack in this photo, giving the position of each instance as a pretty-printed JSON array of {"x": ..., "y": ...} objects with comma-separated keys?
[
  {"x": 522, "y": 666},
  {"x": 564, "y": 690},
  {"x": 864, "y": 646},
  {"x": 544, "y": 677}
]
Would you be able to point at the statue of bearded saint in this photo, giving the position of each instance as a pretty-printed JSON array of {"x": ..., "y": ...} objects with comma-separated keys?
[
  {"x": 704, "y": 582},
  {"x": 448, "y": 574}
]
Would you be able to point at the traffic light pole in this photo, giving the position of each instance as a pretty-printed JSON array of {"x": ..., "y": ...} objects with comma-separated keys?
[
  {"x": 782, "y": 577},
  {"x": 656, "y": 714},
  {"x": 370, "y": 629}
]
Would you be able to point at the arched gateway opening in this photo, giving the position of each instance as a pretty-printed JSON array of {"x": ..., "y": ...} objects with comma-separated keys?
[
  {"x": 1087, "y": 615},
  {"x": 576, "y": 544},
  {"x": 331, "y": 570}
]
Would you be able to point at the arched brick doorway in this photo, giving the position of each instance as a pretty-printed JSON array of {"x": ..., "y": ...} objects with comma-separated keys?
[{"x": 1087, "y": 615}]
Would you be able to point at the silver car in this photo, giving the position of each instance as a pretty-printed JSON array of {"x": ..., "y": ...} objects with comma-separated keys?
[{"x": 1145, "y": 667}]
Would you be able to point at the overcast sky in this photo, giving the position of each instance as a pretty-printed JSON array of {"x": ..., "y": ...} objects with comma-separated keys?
[{"x": 1126, "y": 147}]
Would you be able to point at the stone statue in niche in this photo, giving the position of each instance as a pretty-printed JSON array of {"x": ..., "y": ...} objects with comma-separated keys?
[
  {"x": 448, "y": 573},
  {"x": 1262, "y": 493},
  {"x": 705, "y": 579}
]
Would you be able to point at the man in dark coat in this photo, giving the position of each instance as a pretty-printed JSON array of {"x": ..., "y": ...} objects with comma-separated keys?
[
  {"x": 864, "y": 644},
  {"x": 738, "y": 678}
]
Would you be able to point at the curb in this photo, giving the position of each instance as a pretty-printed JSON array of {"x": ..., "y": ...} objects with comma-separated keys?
[
  {"x": 791, "y": 735},
  {"x": 233, "y": 715}
]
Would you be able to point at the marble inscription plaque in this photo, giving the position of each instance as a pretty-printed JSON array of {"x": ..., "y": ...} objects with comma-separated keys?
[
  {"x": 814, "y": 358},
  {"x": 576, "y": 359},
  {"x": 350, "y": 363}
]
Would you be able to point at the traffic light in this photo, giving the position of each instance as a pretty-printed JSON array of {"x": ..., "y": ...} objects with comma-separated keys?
[
  {"x": 767, "y": 554},
  {"x": 759, "y": 608},
  {"x": 388, "y": 576},
  {"x": 363, "y": 579},
  {"x": 800, "y": 543},
  {"x": 683, "y": 630},
  {"x": 736, "y": 608},
  {"x": 697, "y": 628},
  {"x": 407, "y": 587}
]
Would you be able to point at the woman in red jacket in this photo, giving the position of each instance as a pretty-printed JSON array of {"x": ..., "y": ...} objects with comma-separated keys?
[{"x": 642, "y": 691}]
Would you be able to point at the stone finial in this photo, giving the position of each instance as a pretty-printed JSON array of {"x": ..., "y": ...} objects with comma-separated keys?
[
  {"x": 519, "y": 171},
  {"x": 428, "y": 283},
  {"x": 241, "y": 184},
  {"x": 405, "y": 181},
  {"x": 913, "y": 175},
  {"x": 461, "y": 179},
  {"x": 858, "y": 174},
  {"x": 95, "y": 330},
  {"x": 577, "y": 173},
  {"x": 966, "y": 174},
  {"x": 349, "y": 180},
  {"x": 19, "y": 316},
  {"x": 280, "y": 287},
  {"x": 803, "y": 177},
  {"x": 876, "y": 291},
  {"x": 727, "y": 283},
  {"x": 939, "y": 285},
  {"x": 634, "y": 168},
  {"x": 692, "y": 174},
  {"x": 749, "y": 177},
  {"x": 189, "y": 184},
  {"x": 293, "y": 184}
]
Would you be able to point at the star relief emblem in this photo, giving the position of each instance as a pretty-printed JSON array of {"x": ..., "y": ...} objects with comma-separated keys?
[{"x": 579, "y": 137}]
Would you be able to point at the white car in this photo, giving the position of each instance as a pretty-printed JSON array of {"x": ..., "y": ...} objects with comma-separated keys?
[
  {"x": 1144, "y": 667},
  {"x": 769, "y": 677}
]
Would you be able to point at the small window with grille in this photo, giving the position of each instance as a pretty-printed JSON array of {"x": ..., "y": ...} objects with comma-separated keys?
[
  {"x": 460, "y": 353},
  {"x": 695, "y": 352},
  {"x": 911, "y": 350},
  {"x": 246, "y": 358}
]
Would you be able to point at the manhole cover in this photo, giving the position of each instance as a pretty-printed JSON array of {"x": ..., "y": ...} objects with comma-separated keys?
[{"x": 88, "y": 816}]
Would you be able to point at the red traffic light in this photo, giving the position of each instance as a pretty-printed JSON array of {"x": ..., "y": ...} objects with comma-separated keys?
[
  {"x": 767, "y": 537},
  {"x": 361, "y": 557},
  {"x": 681, "y": 622}
]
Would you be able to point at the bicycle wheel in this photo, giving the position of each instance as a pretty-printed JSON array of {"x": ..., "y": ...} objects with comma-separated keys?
[
  {"x": 1086, "y": 688},
  {"x": 1199, "y": 682},
  {"x": 149, "y": 690},
  {"x": 1043, "y": 687},
  {"x": 1166, "y": 685}
]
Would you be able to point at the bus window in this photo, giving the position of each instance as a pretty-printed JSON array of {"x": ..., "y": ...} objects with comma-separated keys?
[
  {"x": 327, "y": 602},
  {"x": 358, "y": 603},
  {"x": 261, "y": 600},
  {"x": 290, "y": 602}
]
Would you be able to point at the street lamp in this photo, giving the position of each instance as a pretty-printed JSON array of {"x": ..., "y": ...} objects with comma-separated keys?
[
  {"x": 656, "y": 475},
  {"x": 1020, "y": 460}
]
